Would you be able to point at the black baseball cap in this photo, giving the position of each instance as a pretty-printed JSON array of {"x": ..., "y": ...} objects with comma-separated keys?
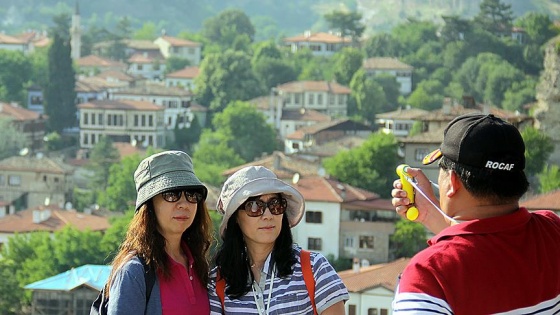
[{"x": 481, "y": 141}]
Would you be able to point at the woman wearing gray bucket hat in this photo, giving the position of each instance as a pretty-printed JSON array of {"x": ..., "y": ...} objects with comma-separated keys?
[
  {"x": 169, "y": 234},
  {"x": 258, "y": 268}
]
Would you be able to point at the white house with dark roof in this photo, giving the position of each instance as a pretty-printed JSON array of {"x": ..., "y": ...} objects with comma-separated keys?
[
  {"x": 176, "y": 101},
  {"x": 320, "y": 44},
  {"x": 399, "y": 122},
  {"x": 181, "y": 48},
  {"x": 183, "y": 78},
  {"x": 294, "y": 119},
  {"x": 400, "y": 70},
  {"x": 29, "y": 123},
  {"x": 305, "y": 138},
  {"x": 146, "y": 66},
  {"x": 326, "y": 97},
  {"x": 130, "y": 121},
  {"x": 28, "y": 181},
  {"x": 12, "y": 43}
]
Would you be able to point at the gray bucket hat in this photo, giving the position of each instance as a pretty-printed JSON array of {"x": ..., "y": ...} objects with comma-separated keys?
[
  {"x": 165, "y": 171},
  {"x": 255, "y": 181}
]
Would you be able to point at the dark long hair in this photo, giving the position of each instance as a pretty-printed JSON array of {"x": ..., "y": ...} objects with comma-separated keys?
[
  {"x": 233, "y": 261},
  {"x": 143, "y": 239}
]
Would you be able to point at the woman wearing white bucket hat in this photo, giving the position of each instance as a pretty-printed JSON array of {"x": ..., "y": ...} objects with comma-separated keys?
[{"x": 258, "y": 268}]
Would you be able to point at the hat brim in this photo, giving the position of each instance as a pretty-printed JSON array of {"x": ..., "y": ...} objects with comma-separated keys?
[
  {"x": 263, "y": 186},
  {"x": 168, "y": 181},
  {"x": 432, "y": 157}
]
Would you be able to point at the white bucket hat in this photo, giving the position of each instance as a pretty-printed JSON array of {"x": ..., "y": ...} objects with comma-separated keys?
[{"x": 255, "y": 181}]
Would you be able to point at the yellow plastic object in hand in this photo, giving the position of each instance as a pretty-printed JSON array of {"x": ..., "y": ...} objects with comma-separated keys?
[{"x": 412, "y": 212}]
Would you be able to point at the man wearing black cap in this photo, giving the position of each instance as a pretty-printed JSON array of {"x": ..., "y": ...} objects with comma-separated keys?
[{"x": 489, "y": 255}]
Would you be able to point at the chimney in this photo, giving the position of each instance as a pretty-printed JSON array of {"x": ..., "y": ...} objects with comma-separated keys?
[
  {"x": 307, "y": 34},
  {"x": 36, "y": 216},
  {"x": 356, "y": 265}
]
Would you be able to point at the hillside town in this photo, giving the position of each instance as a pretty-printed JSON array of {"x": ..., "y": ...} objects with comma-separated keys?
[{"x": 336, "y": 139}]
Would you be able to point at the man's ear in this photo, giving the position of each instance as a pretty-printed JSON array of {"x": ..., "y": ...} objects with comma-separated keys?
[{"x": 455, "y": 184}]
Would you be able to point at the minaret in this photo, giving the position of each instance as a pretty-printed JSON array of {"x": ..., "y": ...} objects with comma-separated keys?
[{"x": 76, "y": 33}]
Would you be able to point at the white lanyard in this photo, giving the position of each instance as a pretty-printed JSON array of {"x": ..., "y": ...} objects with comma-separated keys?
[{"x": 258, "y": 301}]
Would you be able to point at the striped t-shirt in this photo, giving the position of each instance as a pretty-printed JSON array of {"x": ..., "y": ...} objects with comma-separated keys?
[{"x": 289, "y": 295}]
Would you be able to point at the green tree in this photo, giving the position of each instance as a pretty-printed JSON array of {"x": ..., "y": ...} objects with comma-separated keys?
[
  {"x": 368, "y": 96},
  {"x": 39, "y": 60},
  {"x": 538, "y": 148},
  {"x": 500, "y": 79},
  {"x": 414, "y": 34},
  {"x": 347, "y": 62},
  {"x": 519, "y": 94},
  {"x": 347, "y": 23},
  {"x": 187, "y": 137},
  {"x": 226, "y": 77},
  {"x": 370, "y": 166},
  {"x": 538, "y": 26},
  {"x": 115, "y": 234},
  {"x": 13, "y": 140},
  {"x": 267, "y": 49},
  {"x": 148, "y": 31},
  {"x": 174, "y": 63},
  {"x": 120, "y": 194},
  {"x": 60, "y": 95},
  {"x": 382, "y": 45},
  {"x": 10, "y": 289},
  {"x": 427, "y": 95},
  {"x": 246, "y": 130},
  {"x": 391, "y": 89},
  {"x": 455, "y": 29},
  {"x": 226, "y": 26},
  {"x": 102, "y": 156},
  {"x": 272, "y": 72},
  {"x": 495, "y": 17},
  {"x": 15, "y": 72},
  {"x": 409, "y": 238},
  {"x": 123, "y": 32},
  {"x": 212, "y": 156},
  {"x": 549, "y": 178}
]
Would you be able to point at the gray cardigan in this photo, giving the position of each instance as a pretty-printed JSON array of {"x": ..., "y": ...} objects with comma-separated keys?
[{"x": 128, "y": 291}]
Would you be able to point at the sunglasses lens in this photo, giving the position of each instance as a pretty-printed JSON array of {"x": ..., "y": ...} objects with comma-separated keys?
[
  {"x": 171, "y": 195},
  {"x": 193, "y": 197},
  {"x": 254, "y": 208},
  {"x": 277, "y": 206}
]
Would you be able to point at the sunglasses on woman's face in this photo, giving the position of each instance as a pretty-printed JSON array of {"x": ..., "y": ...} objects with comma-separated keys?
[
  {"x": 175, "y": 195},
  {"x": 256, "y": 208}
]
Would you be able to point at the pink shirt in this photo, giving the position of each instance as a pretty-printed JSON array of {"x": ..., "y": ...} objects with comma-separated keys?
[{"x": 183, "y": 293}]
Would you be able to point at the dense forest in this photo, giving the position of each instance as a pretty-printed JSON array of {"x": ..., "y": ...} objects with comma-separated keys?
[{"x": 271, "y": 18}]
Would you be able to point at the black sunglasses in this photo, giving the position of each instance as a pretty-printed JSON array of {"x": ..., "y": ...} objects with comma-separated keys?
[
  {"x": 256, "y": 208},
  {"x": 175, "y": 195}
]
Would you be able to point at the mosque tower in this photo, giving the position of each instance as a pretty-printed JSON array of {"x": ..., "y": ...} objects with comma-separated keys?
[{"x": 76, "y": 34}]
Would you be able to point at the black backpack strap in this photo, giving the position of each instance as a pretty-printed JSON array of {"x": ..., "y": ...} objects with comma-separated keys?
[{"x": 149, "y": 278}]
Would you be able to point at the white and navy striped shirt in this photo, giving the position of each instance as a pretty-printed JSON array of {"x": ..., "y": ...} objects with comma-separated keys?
[{"x": 289, "y": 295}]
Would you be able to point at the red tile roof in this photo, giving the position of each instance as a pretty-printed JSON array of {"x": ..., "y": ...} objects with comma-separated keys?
[
  {"x": 31, "y": 164},
  {"x": 381, "y": 275},
  {"x": 17, "y": 113},
  {"x": 174, "y": 41},
  {"x": 314, "y": 86},
  {"x": 22, "y": 221},
  {"x": 548, "y": 201},
  {"x": 385, "y": 63},
  {"x": 97, "y": 61},
  {"x": 305, "y": 115},
  {"x": 121, "y": 104},
  {"x": 186, "y": 73},
  {"x": 319, "y": 37},
  {"x": 10, "y": 40}
]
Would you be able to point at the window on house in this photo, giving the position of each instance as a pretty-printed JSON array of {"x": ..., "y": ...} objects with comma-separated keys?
[
  {"x": 295, "y": 145},
  {"x": 314, "y": 243},
  {"x": 45, "y": 178},
  {"x": 86, "y": 139},
  {"x": 351, "y": 309},
  {"x": 121, "y": 120},
  {"x": 100, "y": 119},
  {"x": 349, "y": 242},
  {"x": 310, "y": 99},
  {"x": 341, "y": 99},
  {"x": 150, "y": 120},
  {"x": 320, "y": 99},
  {"x": 36, "y": 100},
  {"x": 139, "y": 67},
  {"x": 110, "y": 120},
  {"x": 296, "y": 98},
  {"x": 85, "y": 119},
  {"x": 331, "y": 99},
  {"x": 93, "y": 119},
  {"x": 313, "y": 217},
  {"x": 372, "y": 311},
  {"x": 14, "y": 180},
  {"x": 420, "y": 153},
  {"x": 190, "y": 51},
  {"x": 143, "y": 119},
  {"x": 383, "y": 311},
  {"x": 366, "y": 241},
  {"x": 2, "y": 180}
]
